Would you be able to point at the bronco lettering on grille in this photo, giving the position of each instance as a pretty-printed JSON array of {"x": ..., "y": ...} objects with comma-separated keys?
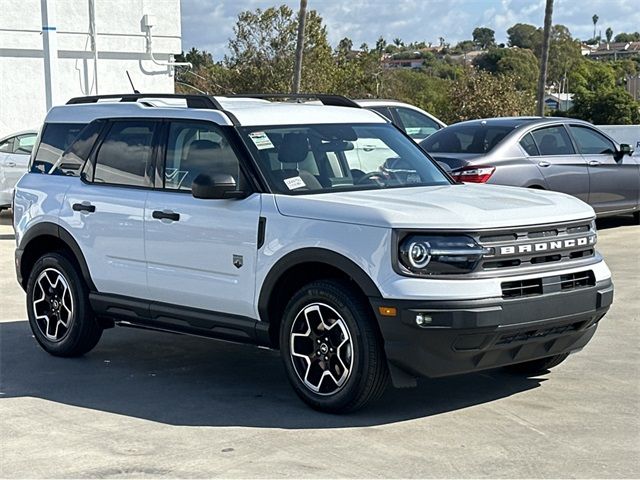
[{"x": 546, "y": 246}]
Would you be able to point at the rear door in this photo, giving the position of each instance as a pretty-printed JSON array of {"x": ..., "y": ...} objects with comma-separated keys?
[
  {"x": 16, "y": 162},
  {"x": 105, "y": 211},
  {"x": 564, "y": 169},
  {"x": 201, "y": 253},
  {"x": 614, "y": 180}
]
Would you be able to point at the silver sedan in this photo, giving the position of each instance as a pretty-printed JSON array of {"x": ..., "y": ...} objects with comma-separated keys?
[{"x": 561, "y": 154}]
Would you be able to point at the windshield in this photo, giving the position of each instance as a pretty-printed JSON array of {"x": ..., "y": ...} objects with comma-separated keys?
[
  {"x": 466, "y": 139},
  {"x": 327, "y": 158}
]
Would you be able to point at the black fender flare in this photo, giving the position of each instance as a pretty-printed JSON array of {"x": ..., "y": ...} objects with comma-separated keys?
[
  {"x": 54, "y": 230},
  {"x": 316, "y": 255}
]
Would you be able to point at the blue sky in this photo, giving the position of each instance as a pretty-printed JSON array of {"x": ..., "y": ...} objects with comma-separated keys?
[{"x": 208, "y": 24}]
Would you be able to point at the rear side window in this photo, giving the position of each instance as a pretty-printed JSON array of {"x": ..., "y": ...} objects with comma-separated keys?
[
  {"x": 415, "y": 124},
  {"x": 553, "y": 141},
  {"x": 56, "y": 138},
  {"x": 75, "y": 156},
  {"x": 125, "y": 155},
  {"x": 466, "y": 139},
  {"x": 24, "y": 144},
  {"x": 529, "y": 145}
]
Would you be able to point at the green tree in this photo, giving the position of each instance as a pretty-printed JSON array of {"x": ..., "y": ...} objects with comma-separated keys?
[
  {"x": 521, "y": 64},
  {"x": 523, "y": 35},
  {"x": 627, "y": 37},
  {"x": 613, "y": 107},
  {"x": 263, "y": 47},
  {"x": 594, "y": 19},
  {"x": 480, "y": 94},
  {"x": 484, "y": 37}
]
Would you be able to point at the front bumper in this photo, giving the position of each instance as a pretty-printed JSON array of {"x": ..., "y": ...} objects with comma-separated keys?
[{"x": 470, "y": 335}]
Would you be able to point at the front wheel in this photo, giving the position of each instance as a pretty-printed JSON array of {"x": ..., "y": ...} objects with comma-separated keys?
[
  {"x": 58, "y": 307},
  {"x": 331, "y": 348},
  {"x": 536, "y": 367}
]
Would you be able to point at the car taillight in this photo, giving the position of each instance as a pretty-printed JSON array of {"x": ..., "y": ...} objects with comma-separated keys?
[{"x": 473, "y": 174}]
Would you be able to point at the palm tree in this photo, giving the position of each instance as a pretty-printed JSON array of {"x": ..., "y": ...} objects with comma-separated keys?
[
  {"x": 594, "y": 19},
  {"x": 542, "y": 80},
  {"x": 398, "y": 42},
  {"x": 297, "y": 68},
  {"x": 609, "y": 34}
]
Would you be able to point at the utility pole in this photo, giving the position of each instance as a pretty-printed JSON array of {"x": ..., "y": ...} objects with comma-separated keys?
[
  {"x": 542, "y": 80},
  {"x": 297, "y": 69}
]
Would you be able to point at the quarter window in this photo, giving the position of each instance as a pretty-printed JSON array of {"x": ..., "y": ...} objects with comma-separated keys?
[
  {"x": 56, "y": 138},
  {"x": 125, "y": 155},
  {"x": 553, "y": 141},
  {"x": 591, "y": 142},
  {"x": 196, "y": 148},
  {"x": 529, "y": 145}
]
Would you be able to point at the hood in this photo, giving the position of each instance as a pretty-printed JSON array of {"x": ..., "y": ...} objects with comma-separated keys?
[{"x": 463, "y": 207}]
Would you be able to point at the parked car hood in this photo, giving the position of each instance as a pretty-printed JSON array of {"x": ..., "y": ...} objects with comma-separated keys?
[{"x": 464, "y": 206}]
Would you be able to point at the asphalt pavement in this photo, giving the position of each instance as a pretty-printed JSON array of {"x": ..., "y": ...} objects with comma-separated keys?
[{"x": 146, "y": 404}]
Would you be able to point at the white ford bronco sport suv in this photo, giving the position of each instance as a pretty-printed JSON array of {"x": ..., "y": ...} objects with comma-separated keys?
[{"x": 318, "y": 229}]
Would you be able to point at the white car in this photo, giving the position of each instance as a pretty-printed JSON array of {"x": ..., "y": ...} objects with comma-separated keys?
[
  {"x": 415, "y": 122},
  {"x": 14, "y": 158},
  {"x": 244, "y": 221}
]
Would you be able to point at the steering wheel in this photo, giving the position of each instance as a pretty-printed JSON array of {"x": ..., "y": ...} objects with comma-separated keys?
[{"x": 381, "y": 178}]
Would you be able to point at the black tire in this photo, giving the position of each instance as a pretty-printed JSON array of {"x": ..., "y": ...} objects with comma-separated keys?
[
  {"x": 75, "y": 331},
  {"x": 368, "y": 375},
  {"x": 535, "y": 367},
  {"x": 636, "y": 218}
]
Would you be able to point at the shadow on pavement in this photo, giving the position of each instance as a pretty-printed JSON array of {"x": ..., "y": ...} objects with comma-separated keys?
[
  {"x": 181, "y": 380},
  {"x": 613, "y": 222}
]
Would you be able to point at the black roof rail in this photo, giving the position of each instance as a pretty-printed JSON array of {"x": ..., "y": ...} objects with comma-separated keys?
[
  {"x": 325, "y": 98},
  {"x": 193, "y": 101}
]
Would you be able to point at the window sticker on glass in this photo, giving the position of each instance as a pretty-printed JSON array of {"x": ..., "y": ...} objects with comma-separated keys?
[
  {"x": 294, "y": 182},
  {"x": 261, "y": 140}
]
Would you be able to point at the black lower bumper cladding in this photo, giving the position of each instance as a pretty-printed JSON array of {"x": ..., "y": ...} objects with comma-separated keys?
[{"x": 470, "y": 335}]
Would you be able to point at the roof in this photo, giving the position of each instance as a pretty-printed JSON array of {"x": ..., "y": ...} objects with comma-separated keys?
[{"x": 246, "y": 111}]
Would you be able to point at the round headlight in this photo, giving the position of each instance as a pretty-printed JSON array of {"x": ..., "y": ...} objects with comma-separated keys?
[{"x": 419, "y": 256}]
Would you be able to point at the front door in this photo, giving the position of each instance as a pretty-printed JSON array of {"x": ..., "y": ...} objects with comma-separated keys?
[
  {"x": 200, "y": 253},
  {"x": 614, "y": 180}
]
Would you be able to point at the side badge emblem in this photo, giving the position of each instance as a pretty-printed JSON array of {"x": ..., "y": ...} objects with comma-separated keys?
[{"x": 237, "y": 261}]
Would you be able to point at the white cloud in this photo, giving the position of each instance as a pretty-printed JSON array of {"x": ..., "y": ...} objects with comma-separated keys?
[{"x": 208, "y": 24}]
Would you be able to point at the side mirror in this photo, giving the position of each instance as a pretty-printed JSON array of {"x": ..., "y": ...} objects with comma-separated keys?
[
  {"x": 625, "y": 149},
  {"x": 216, "y": 187}
]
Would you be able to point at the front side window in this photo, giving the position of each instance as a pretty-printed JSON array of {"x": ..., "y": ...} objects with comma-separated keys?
[
  {"x": 417, "y": 125},
  {"x": 553, "y": 141},
  {"x": 24, "y": 144},
  {"x": 56, "y": 138},
  {"x": 590, "y": 142},
  {"x": 466, "y": 139},
  {"x": 196, "y": 148},
  {"x": 325, "y": 158},
  {"x": 125, "y": 155},
  {"x": 7, "y": 145}
]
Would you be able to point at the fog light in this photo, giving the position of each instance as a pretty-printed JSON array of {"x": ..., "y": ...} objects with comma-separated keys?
[{"x": 423, "y": 320}]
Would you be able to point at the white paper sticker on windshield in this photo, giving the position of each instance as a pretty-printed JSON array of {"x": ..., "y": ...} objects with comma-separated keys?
[
  {"x": 294, "y": 182},
  {"x": 261, "y": 140}
]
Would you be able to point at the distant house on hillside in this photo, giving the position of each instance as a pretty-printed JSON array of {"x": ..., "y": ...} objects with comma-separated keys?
[
  {"x": 615, "y": 50},
  {"x": 559, "y": 101}
]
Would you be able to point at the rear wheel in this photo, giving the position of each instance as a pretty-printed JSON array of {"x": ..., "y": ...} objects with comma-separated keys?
[
  {"x": 58, "y": 306},
  {"x": 535, "y": 367},
  {"x": 331, "y": 349}
]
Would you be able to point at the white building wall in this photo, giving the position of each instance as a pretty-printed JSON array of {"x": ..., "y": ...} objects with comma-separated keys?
[{"x": 121, "y": 47}]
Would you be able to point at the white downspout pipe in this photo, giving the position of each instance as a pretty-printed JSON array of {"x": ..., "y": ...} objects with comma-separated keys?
[
  {"x": 94, "y": 42},
  {"x": 148, "y": 22},
  {"x": 50, "y": 52}
]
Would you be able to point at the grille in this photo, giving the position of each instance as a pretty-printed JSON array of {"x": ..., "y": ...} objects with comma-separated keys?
[
  {"x": 529, "y": 334},
  {"x": 539, "y": 286},
  {"x": 536, "y": 246}
]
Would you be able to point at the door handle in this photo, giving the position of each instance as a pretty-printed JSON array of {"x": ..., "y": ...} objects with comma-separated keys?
[
  {"x": 166, "y": 215},
  {"x": 544, "y": 164},
  {"x": 594, "y": 163},
  {"x": 368, "y": 148},
  {"x": 84, "y": 207},
  {"x": 11, "y": 164}
]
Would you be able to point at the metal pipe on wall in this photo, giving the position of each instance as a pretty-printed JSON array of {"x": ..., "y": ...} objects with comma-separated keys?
[
  {"x": 94, "y": 42},
  {"x": 50, "y": 52}
]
